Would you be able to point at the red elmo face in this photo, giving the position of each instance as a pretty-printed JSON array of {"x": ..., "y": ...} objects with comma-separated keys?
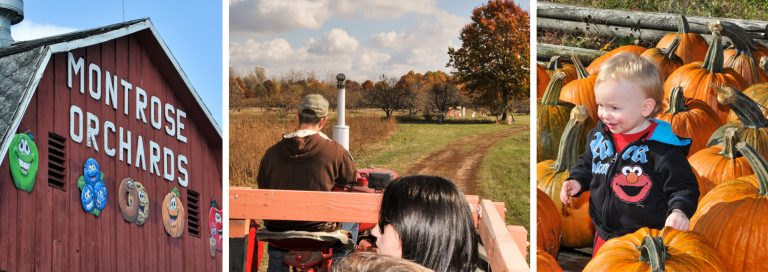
[{"x": 631, "y": 185}]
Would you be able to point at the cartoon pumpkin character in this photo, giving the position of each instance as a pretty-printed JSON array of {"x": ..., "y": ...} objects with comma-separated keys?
[
  {"x": 93, "y": 195},
  {"x": 215, "y": 222},
  {"x": 143, "y": 206},
  {"x": 174, "y": 217},
  {"x": 128, "y": 200},
  {"x": 23, "y": 161},
  {"x": 631, "y": 185}
]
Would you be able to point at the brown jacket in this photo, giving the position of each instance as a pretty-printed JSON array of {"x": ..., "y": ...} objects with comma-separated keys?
[{"x": 311, "y": 163}]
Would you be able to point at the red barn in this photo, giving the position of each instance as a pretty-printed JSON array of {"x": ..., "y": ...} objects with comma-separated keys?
[{"x": 115, "y": 94}]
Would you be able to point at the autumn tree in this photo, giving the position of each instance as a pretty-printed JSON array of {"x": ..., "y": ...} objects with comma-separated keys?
[
  {"x": 492, "y": 63},
  {"x": 386, "y": 96},
  {"x": 444, "y": 96}
]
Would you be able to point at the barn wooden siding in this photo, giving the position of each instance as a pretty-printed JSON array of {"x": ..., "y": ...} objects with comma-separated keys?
[{"x": 47, "y": 230}]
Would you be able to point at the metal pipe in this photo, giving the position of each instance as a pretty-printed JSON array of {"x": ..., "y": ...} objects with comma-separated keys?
[{"x": 341, "y": 130}]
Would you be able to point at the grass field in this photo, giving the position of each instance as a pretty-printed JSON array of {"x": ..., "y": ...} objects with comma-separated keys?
[{"x": 504, "y": 176}]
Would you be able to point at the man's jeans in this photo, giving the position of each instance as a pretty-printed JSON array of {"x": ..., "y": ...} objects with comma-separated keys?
[{"x": 276, "y": 255}]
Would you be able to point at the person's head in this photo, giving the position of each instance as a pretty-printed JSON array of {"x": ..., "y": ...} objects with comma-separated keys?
[
  {"x": 627, "y": 91},
  {"x": 427, "y": 220},
  {"x": 370, "y": 261},
  {"x": 313, "y": 112}
]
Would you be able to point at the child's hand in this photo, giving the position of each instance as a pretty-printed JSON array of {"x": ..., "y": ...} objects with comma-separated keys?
[
  {"x": 677, "y": 220},
  {"x": 570, "y": 187}
]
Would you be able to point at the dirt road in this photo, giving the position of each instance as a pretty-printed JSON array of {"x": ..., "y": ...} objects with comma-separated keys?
[{"x": 460, "y": 160}]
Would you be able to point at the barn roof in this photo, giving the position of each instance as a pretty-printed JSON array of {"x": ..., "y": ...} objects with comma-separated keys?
[{"x": 22, "y": 65}]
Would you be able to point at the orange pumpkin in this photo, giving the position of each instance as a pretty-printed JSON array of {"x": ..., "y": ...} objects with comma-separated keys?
[
  {"x": 753, "y": 127},
  {"x": 664, "y": 59},
  {"x": 690, "y": 118},
  {"x": 693, "y": 47},
  {"x": 734, "y": 217},
  {"x": 552, "y": 115},
  {"x": 717, "y": 164},
  {"x": 594, "y": 67},
  {"x": 546, "y": 263},
  {"x": 555, "y": 65},
  {"x": 581, "y": 91},
  {"x": 698, "y": 78},
  {"x": 549, "y": 225},
  {"x": 742, "y": 56},
  {"x": 542, "y": 79},
  {"x": 657, "y": 250},
  {"x": 758, "y": 93},
  {"x": 578, "y": 229}
]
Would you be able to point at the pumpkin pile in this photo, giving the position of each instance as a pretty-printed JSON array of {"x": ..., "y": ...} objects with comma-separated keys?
[{"x": 715, "y": 96}]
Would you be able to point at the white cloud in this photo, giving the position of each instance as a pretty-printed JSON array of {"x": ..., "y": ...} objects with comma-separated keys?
[
  {"x": 382, "y": 10},
  {"x": 336, "y": 41},
  {"x": 277, "y": 15},
  {"x": 29, "y": 30}
]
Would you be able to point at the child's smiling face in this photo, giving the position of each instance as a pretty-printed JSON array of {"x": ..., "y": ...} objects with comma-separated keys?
[{"x": 623, "y": 106}]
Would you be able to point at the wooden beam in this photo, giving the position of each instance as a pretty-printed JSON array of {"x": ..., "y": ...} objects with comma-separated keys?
[
  {"x": 520, "y": 235},
  {"x": 238, "y": 228},
  {"x": 639, "y": 19},
  {"x": 249, "y": 203},
  {"x": 546, "y": 51},
  {"x": 641, "y": 34},
  {"x": 303, "y": 205},
  {"x": 503, "y": 253}
]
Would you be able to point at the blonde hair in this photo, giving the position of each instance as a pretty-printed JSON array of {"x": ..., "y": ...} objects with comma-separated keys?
[
  {"x": 636, "y": 69},
  {"x": 370, "y": 261}
]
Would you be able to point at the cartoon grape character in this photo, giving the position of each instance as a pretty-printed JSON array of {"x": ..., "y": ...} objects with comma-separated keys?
[{"x": 93, "y": 194}]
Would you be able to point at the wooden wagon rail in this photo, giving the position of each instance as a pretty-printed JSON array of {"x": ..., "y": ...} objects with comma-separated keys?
[
  {"x": 506, "y": 246},
  {"x": 641, "y": 19}
]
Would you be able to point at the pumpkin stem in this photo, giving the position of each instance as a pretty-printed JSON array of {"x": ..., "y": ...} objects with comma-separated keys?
[
  {"x": 567, "y": 153},
  {"x": 742, "y": 43},
  {"x": 580, "y": 70},
  {"x": 746, "y": 109},
  {"x": 759, "y": 165},
  {"x": 677, "y": 101},
  {"x": 669, "y": 52},
  {"x": 552, "y": 93},
  {"x": 682, "y": 25},
  {"x": 730, "y": 138},
  {"x": 654, "y": 252},
  {"x": 713, "y": 62},
  {"x": 554, "y": 63}
]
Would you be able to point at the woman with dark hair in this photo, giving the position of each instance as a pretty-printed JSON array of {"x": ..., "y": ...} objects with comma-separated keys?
[{"x": 427, "y": 220}]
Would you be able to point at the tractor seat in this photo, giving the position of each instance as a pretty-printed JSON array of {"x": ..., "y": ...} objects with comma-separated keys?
[{"x": 306, "y": 241}]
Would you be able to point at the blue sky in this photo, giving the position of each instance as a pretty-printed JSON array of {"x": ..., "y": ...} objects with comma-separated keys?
[
  {"x": 191, "y": 30},
  {"x": 361, "y": 38}
]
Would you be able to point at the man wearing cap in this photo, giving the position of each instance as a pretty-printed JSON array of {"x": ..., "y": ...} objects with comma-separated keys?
[{"x": 307, "y": 160}]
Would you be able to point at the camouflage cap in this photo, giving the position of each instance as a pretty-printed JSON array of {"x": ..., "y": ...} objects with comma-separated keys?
[{"x": 314, "y": 105}]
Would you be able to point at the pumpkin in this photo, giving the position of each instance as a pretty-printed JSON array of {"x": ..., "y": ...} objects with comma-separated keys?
[
  {"x": 542, "y": 80},
  {"x": 578, "y": 229},
  {"x": 693, "y": 47},
  {"x": 690, "y": 118},
  {"x": 582, "y": 90},
  {"x": 664, "y": 59},
  {"x": 549, "y": 226},
  {"x": 546, "y": 263},
  {"x": 174, "y": 217},
  {"x": 758, "y": 93},
  {"x": 657, "y": 250},
  {"x": 753, "y": 126},
  {"x": 594, "y": 67},
  {"x": 717, "y": 164},
  {"x": 734, "y": 217},
  {"x": 698, "y": 78},
  {"x": 552, "y": 115},
  {"x": 555, "y": 65},
  {"x": 742, "y": 56}
]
